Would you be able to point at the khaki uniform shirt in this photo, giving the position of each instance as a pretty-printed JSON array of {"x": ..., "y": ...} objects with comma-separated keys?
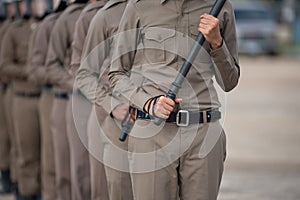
[
  {"x": 3, "y": 28},
  {"x": 14, "y": 59},
  {"x": 37, "y": 69},
  {"x": 96, "y": 55},
  {"x": 161, "y": 30},
  {"x": 59, "y": 52},
  {"x": 81, "y": 29}
]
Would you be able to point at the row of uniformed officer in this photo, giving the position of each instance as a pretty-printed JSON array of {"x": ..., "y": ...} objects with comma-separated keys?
[
  {"x": 138, "y": 77},
  {"x": 29, "y": 57},
  {"x": 15, "y": 54},
  {"x": 41, "y": 62}
]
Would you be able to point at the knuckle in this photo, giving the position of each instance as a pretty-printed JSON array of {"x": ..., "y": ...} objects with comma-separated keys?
[{"x": 159, "y": 102}]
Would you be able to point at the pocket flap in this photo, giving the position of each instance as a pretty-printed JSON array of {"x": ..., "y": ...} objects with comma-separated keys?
[{"x": 159, "y": 34}]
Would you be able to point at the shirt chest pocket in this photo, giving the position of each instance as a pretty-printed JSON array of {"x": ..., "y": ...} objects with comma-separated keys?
[{"x": 159, "y": 45}]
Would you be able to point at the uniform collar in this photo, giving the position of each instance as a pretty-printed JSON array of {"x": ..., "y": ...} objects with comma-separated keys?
[
  {"x": 97, "y": 4},
  {"x": 74, "y": 6},
  {"x": 111, "y": 3}
]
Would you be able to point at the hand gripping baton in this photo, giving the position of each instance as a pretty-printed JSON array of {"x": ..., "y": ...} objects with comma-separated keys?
[{"x": 200, "y": 39}]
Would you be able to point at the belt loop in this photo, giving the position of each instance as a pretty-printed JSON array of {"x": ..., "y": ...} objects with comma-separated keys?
[{"x": 204, "y": 117}]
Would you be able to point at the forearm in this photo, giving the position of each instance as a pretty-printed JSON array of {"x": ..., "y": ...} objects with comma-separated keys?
[
  {"x": 226, "y": 57},
  {"x": 14, "y": 70},
  {"x": 87, "y": 83},
  {"x": 57, "y": 74},
  {"x": 125, "y": 88},
  {"x": 226, "y": 68},
  {"x": 38, "y": 75}
]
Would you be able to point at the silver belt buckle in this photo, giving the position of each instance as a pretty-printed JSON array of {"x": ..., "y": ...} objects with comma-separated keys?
[{"x": 182, "y": 118}]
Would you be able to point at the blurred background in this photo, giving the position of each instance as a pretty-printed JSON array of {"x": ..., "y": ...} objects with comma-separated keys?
[
  {"x": 263, "y": 112},
  {"x": 268, "y": 26},
  {"x": 263, "y": 119}
]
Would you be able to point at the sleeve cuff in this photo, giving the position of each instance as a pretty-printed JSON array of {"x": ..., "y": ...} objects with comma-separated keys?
[
  {"x": 139, "y": 99},
  {"x": 221, "y": 54},
  {"x": 108, "y": 103}
]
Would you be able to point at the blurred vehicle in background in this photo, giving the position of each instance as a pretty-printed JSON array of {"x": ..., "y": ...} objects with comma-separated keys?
[{"x": 256, "y": 27}]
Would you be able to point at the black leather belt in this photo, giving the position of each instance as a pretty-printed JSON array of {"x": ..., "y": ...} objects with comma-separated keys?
[
  {"x": 47, "y": 87},
  {"x": 64, "y": 96},
  {"x": 28, "y": 95},
  {"x": 185, "y": 118}
]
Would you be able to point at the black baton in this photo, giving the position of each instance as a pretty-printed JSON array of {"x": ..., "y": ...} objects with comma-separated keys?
[
  {"x": 185, "y": 68},
  {"x": 126, "y": 125}
]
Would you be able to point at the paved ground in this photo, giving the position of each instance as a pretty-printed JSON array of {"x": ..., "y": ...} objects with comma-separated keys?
[{"x": 263, "y": 132}]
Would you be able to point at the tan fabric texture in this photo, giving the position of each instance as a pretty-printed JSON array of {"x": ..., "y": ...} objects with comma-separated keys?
[
  {"x": 60, "y": 51},
  {"x": 47, "y": 149},
  {"x": 8, "y": 100},
  {"x": 4, "y": 136},
  {"x": 58, "y": 126},
  {"x": 27, "y": 132},
  {"x": 37, "y": 68}
]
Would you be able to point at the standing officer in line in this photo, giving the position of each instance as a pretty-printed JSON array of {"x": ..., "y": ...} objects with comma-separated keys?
[
  {"x": 7, "y": 147},
  {"x": 14, "y": 61},
  {"x": 95, "y": 62},
  {"x": 57, "y": 69},
  {"x": 37, "y": 75},
  {"x": 77, "y": 126},
  {"x": 183, "y": 159}
]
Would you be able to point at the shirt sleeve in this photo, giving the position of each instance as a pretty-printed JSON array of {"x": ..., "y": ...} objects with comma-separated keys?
[
  {"x": 37, "y": 69},
  {"x": 226, "y": 57},
  {"x": 95, "y": 51},
  {"x": 10, "y": 65},
  {"x": 58, "y": 46},
  {"x": 80, "y": 32},
  {"x": 123, "y": 59}
]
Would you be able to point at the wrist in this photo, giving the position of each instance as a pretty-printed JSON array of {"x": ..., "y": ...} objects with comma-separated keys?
[{"x": 217, "y": 44}]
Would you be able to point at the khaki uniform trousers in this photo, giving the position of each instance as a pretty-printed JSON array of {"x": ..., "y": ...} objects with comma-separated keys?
[
  {"x": 27, "y": 130},
  {"x": 190, "y": 177},
  {"x": 47, "y": 151},
  {"x": 118, "y": 182},
  {"x": 99, "y": 188},
  {"x": 4, "y": 136},
  {"x": 61, "y": 149},
  {"x": 77, "y": 136},
  {"x": 8, "y": 100}
]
